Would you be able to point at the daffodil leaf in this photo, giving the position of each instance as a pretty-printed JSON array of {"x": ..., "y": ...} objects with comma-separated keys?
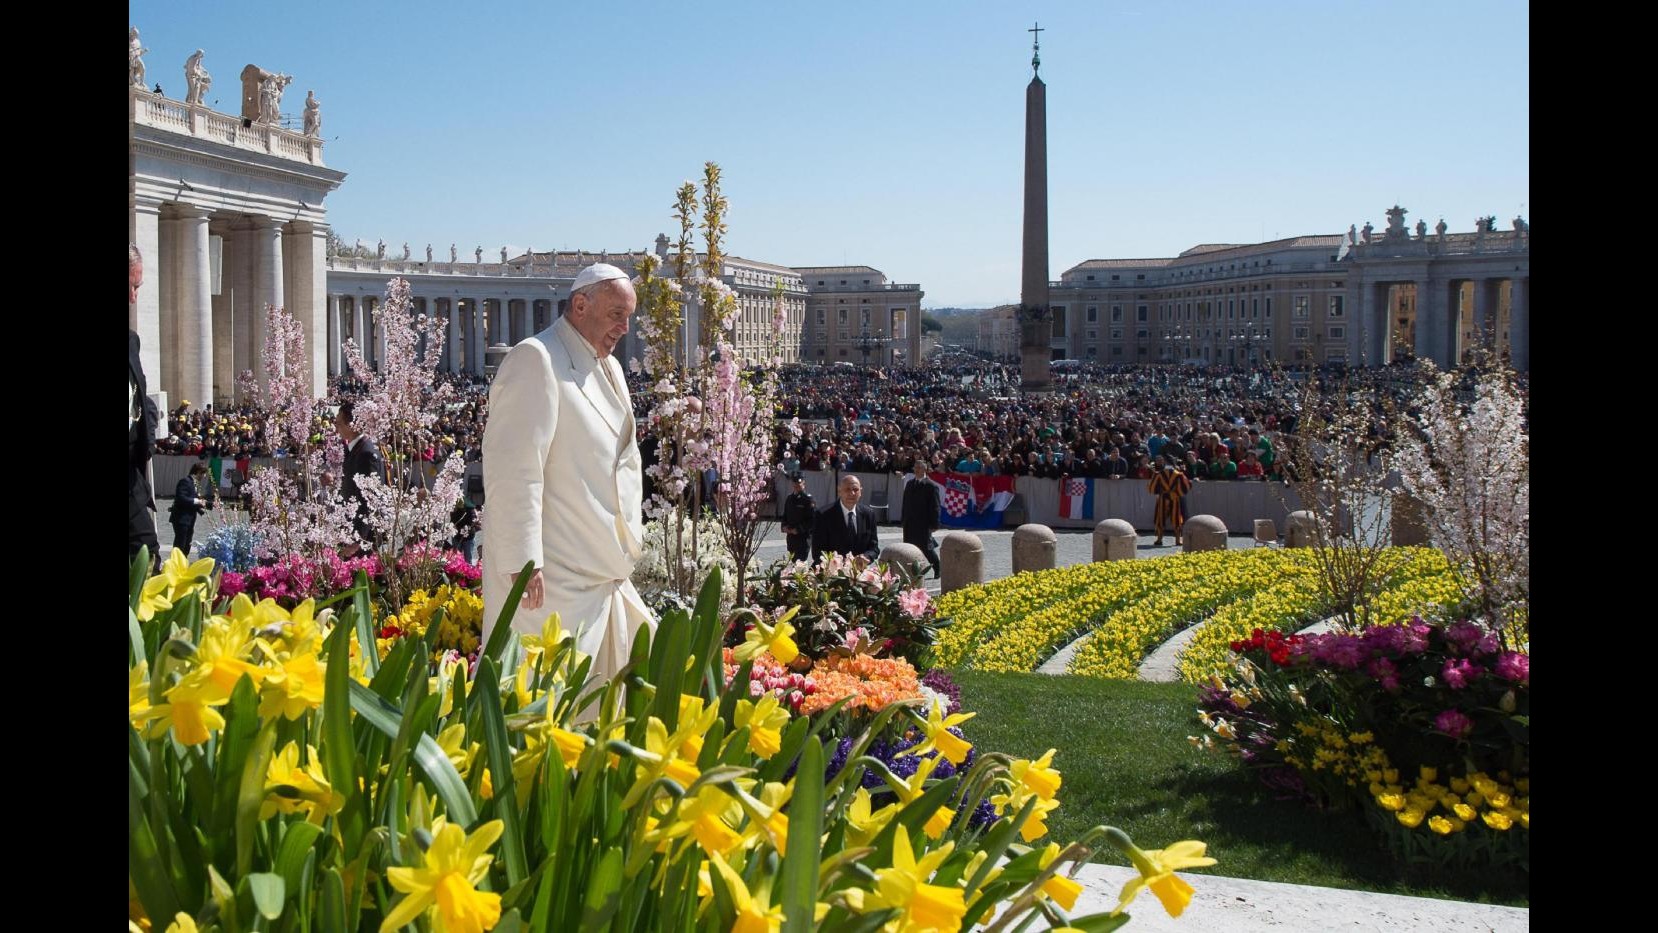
[
  {"x": 1099, "y": 923},
  {"x": 137, "y": 573},
  {"x": 144, "y": 863},
  {"x": 266, "y": 891},
  {"x": 604, "y": 891},
  {"x": 252, "y": 795},
  {"x": 502, "y": 632},
  {"x": 135, "y": 640},
  {"x": 431, "y": 759},
  {"x": 996, "y": 842},
  {"x": 500, "y": 751},
  {"x": 668, "y": 671},
  {"x": 291, "y": 853},
  {"x": 365, "y": 624},
  {"x": 510, "y": 922},
  {"x": 800, "y": 865},
  {"x": 331, "y": 905}
]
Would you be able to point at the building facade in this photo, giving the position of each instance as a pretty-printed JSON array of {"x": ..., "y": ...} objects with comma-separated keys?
[
  {"x": 854, "y": 315},
  {"x": 228, "y": 215},
  {"x": 1356, "y": 298},
  {"x": 998, "y": 332}
]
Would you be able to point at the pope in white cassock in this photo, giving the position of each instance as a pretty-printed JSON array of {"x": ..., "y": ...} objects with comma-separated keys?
[{"x": 562, "y": 478}]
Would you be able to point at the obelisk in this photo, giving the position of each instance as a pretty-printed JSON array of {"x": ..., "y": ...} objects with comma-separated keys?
[{"x": 1035, "y": 329}]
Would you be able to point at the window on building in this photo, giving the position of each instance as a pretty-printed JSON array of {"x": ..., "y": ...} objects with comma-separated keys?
[
  {"x": 1115, "y": 278},
  {"x": 1116, "y": 333},
  {"x": 1338, "y": 333},
  {"x": 1337, "y": 305},
  {"x": 1116, "y": 351},
  {"x": 1093, "y": 334},
  {"x": 1093, "y": 351},
  {"x": 1269, "y": 306},
  {"x": 843, "y": 351},
  {"x": 1140, "y": 314},
  {"x": 1300, "y": 333},
  {"x": 820, "y": 281},
  {"x": 1255, "y": 307},
  {"x": 820, "y": 314},
  {"x": 1141, "y": 333},
  {"x": 1093, "y": 314},
  {"x": 1090, "y": 278},
  {"x": 841, "y": 315},
  {"x": 1301, "y": 308},
  {"x": 1116, "y": 314}
]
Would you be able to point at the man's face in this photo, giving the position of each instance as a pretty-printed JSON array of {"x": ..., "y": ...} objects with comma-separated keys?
[
  {"x": 602, "y": 314},
  {"x": 851, "y": 490},
  {"x": 135, "y": 278},
  {"x": 341, "y": 425}
]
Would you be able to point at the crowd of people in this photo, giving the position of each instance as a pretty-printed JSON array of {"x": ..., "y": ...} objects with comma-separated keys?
[{"x": 238, "y": 433}]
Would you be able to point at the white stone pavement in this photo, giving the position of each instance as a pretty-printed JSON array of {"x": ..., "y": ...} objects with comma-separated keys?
[{"x": 1236, "y": 905}]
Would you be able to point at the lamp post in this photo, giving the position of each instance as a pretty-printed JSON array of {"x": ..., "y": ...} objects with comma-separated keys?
[
  {"x": 868, "y": 343},
  {"x": 1246, "y": 340}
]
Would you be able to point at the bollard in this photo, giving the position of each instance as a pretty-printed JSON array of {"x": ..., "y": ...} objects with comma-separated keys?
[
  {"x": 1115, "y": 539},
  {"x": 961, "y": 561}
]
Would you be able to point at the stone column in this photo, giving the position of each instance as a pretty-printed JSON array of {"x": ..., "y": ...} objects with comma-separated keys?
[
  {"x": 224, "y": 328},
  {"x": 452, "y": 362},
  {"x": 267, "y": 287},
  {"x": 308, "y": 298},
  {"x": 193, "y": 290},
  {"x": 336, "y": 336},
  {"x": 244, "y": 356},
  {"x": 475, "y": 358},
  {"x": 1432, "y": 320},
  {"x": 1519, "y": 324},
  {"x": 378, "y": 315},
  {"x": 1482, "y": 307},
  {"x": 163, "y": 276}
]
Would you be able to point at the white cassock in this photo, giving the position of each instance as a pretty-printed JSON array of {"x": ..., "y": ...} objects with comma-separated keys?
[{"x": 563, "y": 490}]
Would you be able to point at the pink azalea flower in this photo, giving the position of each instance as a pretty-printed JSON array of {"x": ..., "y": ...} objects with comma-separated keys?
[
  {"x": 915, "y": 602},
  {"x": 1453, "y": 723},
  {"x": 1511, "y": 666}
]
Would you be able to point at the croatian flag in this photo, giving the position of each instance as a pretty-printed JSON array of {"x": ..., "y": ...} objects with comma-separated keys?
[
  {"x": 1076, "y": 497},
  {"x": 973, "y": 501}
]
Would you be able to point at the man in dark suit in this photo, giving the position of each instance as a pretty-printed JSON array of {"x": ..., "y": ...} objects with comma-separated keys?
[
  {"x": 921, "y": 512},
  {"x": 846, "y": 527},
  {"x": 141, "y": 423},
  {"x": 362, "y": 458},
  {"x": 798, "y": 513},
  {"x": 189, "y": 501}
]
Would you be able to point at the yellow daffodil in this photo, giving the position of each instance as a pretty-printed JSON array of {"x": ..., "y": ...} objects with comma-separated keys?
[
  {"x": 940, "y": 738},
  {"x": 188, "y": 712},
  {"x": 862, "y": 824},
  {"x": 138, "y": 692},
  {"x": 904, "y": 885},
  {"x": 1440, "y": 825},
  {"x": 295, "y": 690},
  {"x": 753, "y": 916},
  {"x": 1497, "y": 820},
  {"x": 182, "y": 576},
  {"x": 704, "y": 817},
  {"x": 1157, "y": 871},
  {"x": 765, "y": 721},
  {"x": 571, "y": 745},
  {"x": 154, "y": 598},
  {"x": 1410, "y": 816},
  {"x": 445, "y": 883},
  {"x": 773, "y": 638},
  {"x": 1063, "y": 890},
  {"x": 292, "y": 788},
  {"x": 182, "y": 922},
  {"x": 1037, "y": 775}
]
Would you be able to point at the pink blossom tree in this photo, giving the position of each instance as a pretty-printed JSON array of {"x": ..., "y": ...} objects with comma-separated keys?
[
  {"x": 294, "y": 509},
  {"x": 399, "y": 410},
  {"x": 1468, "y": 463}
]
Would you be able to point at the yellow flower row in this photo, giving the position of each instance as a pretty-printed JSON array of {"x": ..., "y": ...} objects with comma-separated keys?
[
  {"x": 1424, "y": 581},
  {"x": 1188, "y": 590}
]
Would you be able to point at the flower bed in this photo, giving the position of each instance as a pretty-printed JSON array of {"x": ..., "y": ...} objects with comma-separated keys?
[
  {"x": 844, "y": 604},
  {"x": 282, "y": 778},
  {"x": 1422, "y": 727}
]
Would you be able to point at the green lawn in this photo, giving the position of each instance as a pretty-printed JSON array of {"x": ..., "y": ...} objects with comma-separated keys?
[{"x": 1126, "y": 762}]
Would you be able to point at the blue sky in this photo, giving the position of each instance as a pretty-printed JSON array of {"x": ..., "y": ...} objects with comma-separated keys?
[{"x": 887, "y": 133}]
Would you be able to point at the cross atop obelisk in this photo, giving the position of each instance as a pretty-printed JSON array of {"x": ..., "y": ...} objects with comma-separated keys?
[
  {"x": 1036, "y": 329},
  {"x": 1036, "y": 47}
]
